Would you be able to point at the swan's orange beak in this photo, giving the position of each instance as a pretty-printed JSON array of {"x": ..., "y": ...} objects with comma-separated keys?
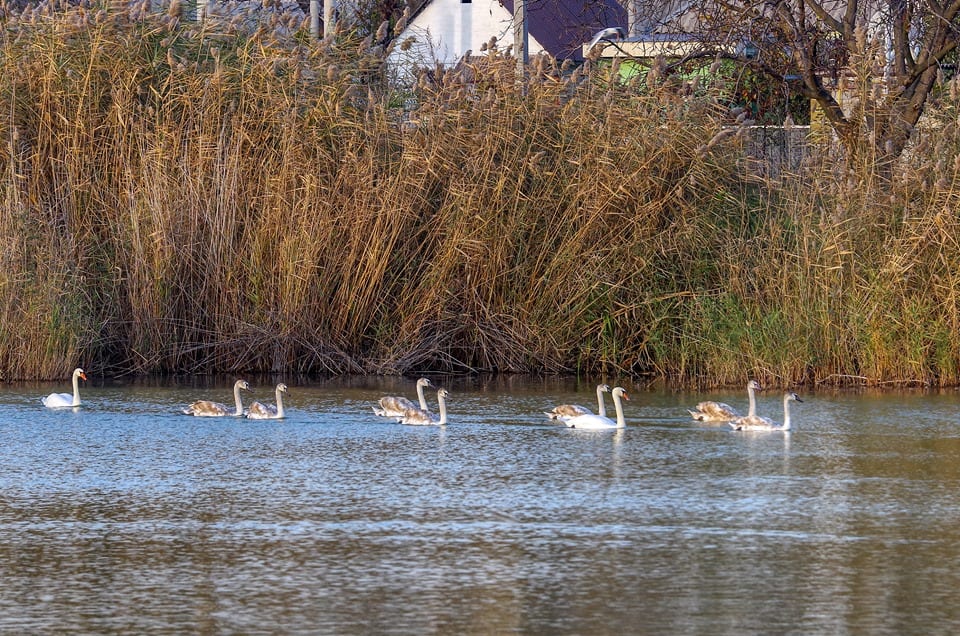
[
  {"x": 83, "y": 376},
  {"x": 626, "y": 397}
]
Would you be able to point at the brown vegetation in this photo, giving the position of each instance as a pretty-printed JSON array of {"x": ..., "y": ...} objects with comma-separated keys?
[{"x": 181, "y": 200}]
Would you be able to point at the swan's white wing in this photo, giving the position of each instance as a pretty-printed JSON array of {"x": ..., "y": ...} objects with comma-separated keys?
[
  {"x": 57, "y": 400},
  {"x": 589, "y": 421}
]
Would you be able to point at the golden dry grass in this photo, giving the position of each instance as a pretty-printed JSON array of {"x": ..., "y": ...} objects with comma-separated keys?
[{"x": 175, "y": 199}]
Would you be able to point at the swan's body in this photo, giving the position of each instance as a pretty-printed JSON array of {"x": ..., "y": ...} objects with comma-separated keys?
[
  {"x": 757, "y": 423},
  {"x": 206, "y": 408},
  {"x": 566, "y": 411},
  {"x": 423, "y": 417},
  {"x": 261, "y": 411},
  {"x": 59, "y": 400},
  {"x": 720, "y": 412},
  {"x": 591, "y": 421},
  {"x": 395, "y": 406}
]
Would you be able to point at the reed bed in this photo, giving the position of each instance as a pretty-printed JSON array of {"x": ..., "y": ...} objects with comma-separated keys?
[{"x": 187, "y": 198}]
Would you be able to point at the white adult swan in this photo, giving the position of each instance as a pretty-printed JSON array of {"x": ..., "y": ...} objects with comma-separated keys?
[
  {"x": 720, "y": 412},
  {"x": 395, "y": 406},
  {"x": 58, "y": 400},
  {"x": 591, "y": 421},
  {"x": 757, "y": 423},
  {"x": 261, "y": 411},
  {"x": 423, "y": 417},
  {"x": 206, "y": 408},
  {"x": 565, "y": 411}
]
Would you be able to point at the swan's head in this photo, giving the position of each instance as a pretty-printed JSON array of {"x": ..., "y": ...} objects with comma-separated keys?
[
  {"x": 753, "y": 385},
  {"x": 282, "y": 387},
  {"x": 442, "y": 393},
  {"x": 605, "y": 388},
  {"x": 620, "y": 392},
  {"x": 792, "y": 397},
  {"x": 424, "y": 382},
  {"x": 78, "y": 372},
  {"x": 243, "y": 384}
]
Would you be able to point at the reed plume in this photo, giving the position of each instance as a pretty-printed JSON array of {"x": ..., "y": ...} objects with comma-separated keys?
[{"x": 187, "y": 199}]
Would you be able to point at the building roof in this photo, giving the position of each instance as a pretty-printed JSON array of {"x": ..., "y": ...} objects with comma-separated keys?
[{"x": 562, "y": 26}]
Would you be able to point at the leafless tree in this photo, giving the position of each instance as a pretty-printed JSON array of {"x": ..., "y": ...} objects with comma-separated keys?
[{"x": 870, "y": 65}]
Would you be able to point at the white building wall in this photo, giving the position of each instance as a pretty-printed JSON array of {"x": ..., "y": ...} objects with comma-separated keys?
[{"x": 446, "y": 29}]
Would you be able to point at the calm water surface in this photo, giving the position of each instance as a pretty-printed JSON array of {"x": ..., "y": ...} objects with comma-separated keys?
[{"x": 127, "y": 517}]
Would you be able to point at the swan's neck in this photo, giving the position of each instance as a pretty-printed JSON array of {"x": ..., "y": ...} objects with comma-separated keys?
[
  {"x": 753, "y": 402},
  {"x": 786, "y": 415},
  {"x": 76, "y": 390},
  {"x": 621, "y": 422},
  {"x": 443, "y": 411},
  {"x": 236, "y": 398},
  {"x": 423, "y": 400},
  {"x": 279, "y": 403},
  {"x": 601, "y": 407}
]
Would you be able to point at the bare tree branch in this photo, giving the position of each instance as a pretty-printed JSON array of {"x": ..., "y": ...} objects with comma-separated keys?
[{"x": 870, "y": 65}]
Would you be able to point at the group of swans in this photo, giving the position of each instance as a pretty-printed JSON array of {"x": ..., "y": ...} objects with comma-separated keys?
[
  {"x": 720, "y": 412},
  {"x": 576, "y": 416},
  {"x": 572, "y": 415},
  {"x": 406, "y": 412},
  {"x": 395, "y": 406},
  {"x": 566, "y": 411},
  {"x": 256, "y": 411},
  {"x": 200, "y": 408}
]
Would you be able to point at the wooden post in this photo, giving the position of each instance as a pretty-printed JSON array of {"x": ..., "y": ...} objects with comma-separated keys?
[
  {"x": 521, "y": 38},
  {"x": 315, "y": 19},
  {"x": 328, "y": 7}
]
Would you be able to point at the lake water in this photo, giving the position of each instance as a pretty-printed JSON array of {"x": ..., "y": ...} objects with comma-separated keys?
[{"x": 127, "y": 517}]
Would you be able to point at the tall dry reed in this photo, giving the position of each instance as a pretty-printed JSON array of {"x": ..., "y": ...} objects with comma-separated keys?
[{"x": 188, "y": 198}]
